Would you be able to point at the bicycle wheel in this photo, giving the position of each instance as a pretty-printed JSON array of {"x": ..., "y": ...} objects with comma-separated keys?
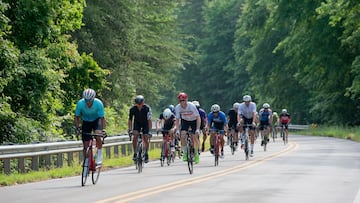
[
  {"x": 139, "y": 159},
  {"x": 265, "y": 141},
  {"x": 190, "y": 155},
  {"x": 85, "y": 168},
  {"x": 95, "y": 174},
  {"x": 283, "y": 136},
  {"x": 162, "y": 160},
  {"x": 246, "y": 149},
  {"x": 273, "y": 133},
  {"x": 232, "y": 144}
]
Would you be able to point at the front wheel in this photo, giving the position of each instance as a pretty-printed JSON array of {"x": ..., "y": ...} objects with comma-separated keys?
[
  {"x": 190, "y": 154},
  {"x": 95, "y": 174}
]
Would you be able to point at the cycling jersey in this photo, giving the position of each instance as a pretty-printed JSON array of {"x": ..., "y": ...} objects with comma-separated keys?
[
  {"x": 217, "y": 122},
  {"x": 89, "y": 114},
  {"x": 141, "y": 117},
  {"x": 264, "y": 115},
  {"x": 188, "y": 114},
  {"x": 285, "y": 118},
  {"x": 247, "y": 111},
  {"x": 169, "y": 123},
  {"x": 232, "y": 122},
  {"x": 203, "y": 117}
]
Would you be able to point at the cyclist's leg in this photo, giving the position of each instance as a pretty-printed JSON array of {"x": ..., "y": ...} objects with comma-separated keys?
[
  {"x": 86, "y": 130},
  {"x": 242, "y": 130},
  {"x": 204, "y": 139},
  {"x": 212, "y": 140},
  {"x": 134, "y": 142},
  {"x": 222, "y": 141},
  {"x": 261, "y": 128}
]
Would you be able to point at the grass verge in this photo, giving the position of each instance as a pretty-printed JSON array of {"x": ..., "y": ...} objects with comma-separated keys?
[{"x": 350, "y": 133}]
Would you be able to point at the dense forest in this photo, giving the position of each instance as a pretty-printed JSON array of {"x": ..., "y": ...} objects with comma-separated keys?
[{"x": 295, "y": 54}]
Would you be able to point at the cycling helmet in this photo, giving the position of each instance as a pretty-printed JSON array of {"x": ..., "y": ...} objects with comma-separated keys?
[
  {"x": 89, "y": 94},
  {"x": 182, "y": 96},
  {"x": 139, "y": 99},
  {"x": 246, "y": 98},
  {"x": 167, "y": 113},
  {"x": 266, "y": 105},
  {"x": 284, "y": 111},
  {"x": 215, "y": 108},
  {"x": 171, "y": 107},
  {"x": 236, "y": 105},
  {"x": 196, "y": 103}
]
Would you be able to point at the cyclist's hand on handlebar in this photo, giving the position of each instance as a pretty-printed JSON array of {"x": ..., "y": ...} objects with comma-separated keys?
[
  {"x": 78, "y": 131},
  {"x": 197, "y": 132},
  {"x": 130, "y": 132},
  {"x": 104, "y": 133}
]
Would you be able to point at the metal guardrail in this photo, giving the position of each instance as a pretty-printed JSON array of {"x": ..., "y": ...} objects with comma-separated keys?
[
  {"x": 35, "y": 156},
  {"x": 47, "y": 155}
]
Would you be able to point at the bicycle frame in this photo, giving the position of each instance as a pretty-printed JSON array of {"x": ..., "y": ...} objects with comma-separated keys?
[
  {"x": 217, "y": 146},
  {"x": 166, "y": 152},
  {"x": 140, "y": 153},
  {"x": 232, "y": 142},
  {"x": 89, "y": 162}
]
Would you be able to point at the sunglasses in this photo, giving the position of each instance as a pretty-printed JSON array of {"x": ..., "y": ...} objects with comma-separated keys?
[
  {"x": 89, "y": 100},
  {"x": 182, "y": 100}
]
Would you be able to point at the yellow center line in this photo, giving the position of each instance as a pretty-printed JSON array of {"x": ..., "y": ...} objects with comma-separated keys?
[{"x": 165, "y": 187}]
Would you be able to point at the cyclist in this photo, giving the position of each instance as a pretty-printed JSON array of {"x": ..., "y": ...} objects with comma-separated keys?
[
  {"x": 265, "y": 118},
  {"x": 275, "y": 123},
  {"x": 91, "y": 111},
  {"x": 203, "y": 124},
  {"x": 247, "y": 116},
  {"x": 187, "y": 115},
  {"x": 217, "y": 122},
  {"x": 232, "y": 122},
  {"x": 140, "y": 120},
  {"x": 168, "y": 127},
  {"x": 284, "y": 119}
]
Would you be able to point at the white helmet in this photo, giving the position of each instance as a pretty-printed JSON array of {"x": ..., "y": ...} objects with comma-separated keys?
[
  {"x": 236, "y": 105},
  {"x": 284, "y": 111},
  {"x": 196, "y": 103},
  {"x": 246, "y": 98},
  {"x": 167, "y": 113},
  {"x": 89, "y": 94},
  {"x": 215, "y": 108},
  {"x": 266, "y": 105}
]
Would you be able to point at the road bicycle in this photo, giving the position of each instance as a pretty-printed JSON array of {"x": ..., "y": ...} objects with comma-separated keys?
[
  {"x": 283, "y": 134},
  {"x": 166, "y": 152},
  {"x": 266, "y": 136},
  {"x": 217, "y": 146},
  {"x": 273, "y": 132},
  {"x": 89, "y": 165},
  {"x": 246, "y": 138},
  {"x": 232, "y": 142},
  {"x": 140, "y": 153},
  {"x": 190, "y": 151}
]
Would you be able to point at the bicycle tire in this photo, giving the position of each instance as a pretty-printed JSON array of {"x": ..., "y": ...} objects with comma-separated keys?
[
  {"x": 265, "y": 141},
  {"x": 96, "y": 174},
  {"x": 139, "y": 159},
  {"x": 168, "y": 154},
  {"x": 190, "y": 159},
  {"x": 246, "y": 149},
  {"x": 232, "y": 144},
  {"x": 162, "y": 160},
  {"x": 85, "y": 168}
]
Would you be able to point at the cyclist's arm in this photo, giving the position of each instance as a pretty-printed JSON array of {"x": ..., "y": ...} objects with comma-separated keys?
[
  {"x": 77, "y": 121},
  {"x": 103, "y": 123},
  {"x": 198, "y": 122}
]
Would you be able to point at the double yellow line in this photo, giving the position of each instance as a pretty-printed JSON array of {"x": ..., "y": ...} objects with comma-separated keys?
[{"x": 170, "y": 186}]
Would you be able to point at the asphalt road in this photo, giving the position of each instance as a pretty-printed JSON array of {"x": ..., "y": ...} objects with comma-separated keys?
[{"x": 307, "y": 169}]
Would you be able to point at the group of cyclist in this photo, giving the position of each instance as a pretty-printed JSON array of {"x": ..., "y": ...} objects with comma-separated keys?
[{"x": 178, "y": 121}]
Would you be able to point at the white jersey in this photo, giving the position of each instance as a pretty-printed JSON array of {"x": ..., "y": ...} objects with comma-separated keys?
[
  {"x": 188, "y": 114},
  {"x": 245, "y": 111}
]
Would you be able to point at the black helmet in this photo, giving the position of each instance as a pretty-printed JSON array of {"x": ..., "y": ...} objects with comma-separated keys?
[{"x": 139, "y": 99}]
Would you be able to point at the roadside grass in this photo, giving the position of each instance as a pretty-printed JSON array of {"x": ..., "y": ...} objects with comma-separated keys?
[{"x": 350, "y": 133}]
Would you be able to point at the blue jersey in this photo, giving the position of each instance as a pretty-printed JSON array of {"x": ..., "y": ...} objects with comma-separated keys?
[
  {"x": 90, "y": 114},
  {"x": 217, "y": 122}
]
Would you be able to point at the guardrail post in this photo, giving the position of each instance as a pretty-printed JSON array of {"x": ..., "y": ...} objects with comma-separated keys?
[
  {"x": 21, "y": 165},
  {"x": 35, "y": 163},
  {"x": 129, "y": 146},
  {"x": 116, "y": 151},
  {"x": 59, "y": 161},
  {"x": 81, "y": 157},
  {"x": 108, "y": 152},
  {"x": 6, "y": 165},
  {"x": 123, "y": 150},
  {"x": 47, "y": 160},
  {"x": 70, "y": 156}
]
